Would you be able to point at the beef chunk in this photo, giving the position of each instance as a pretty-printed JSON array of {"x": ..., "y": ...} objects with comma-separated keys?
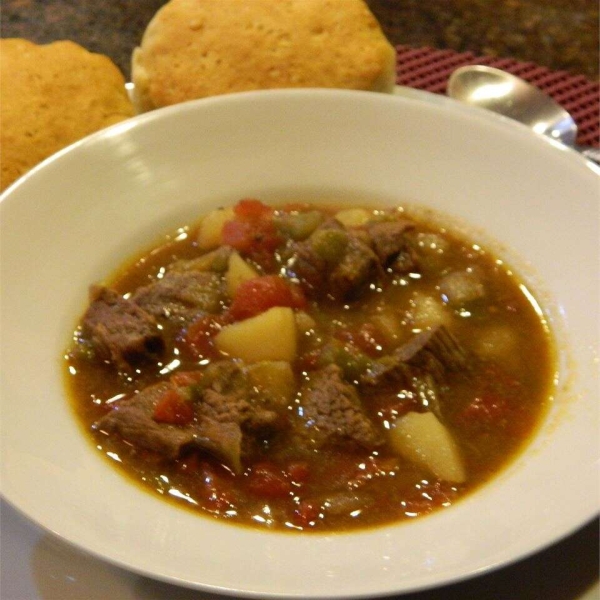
[
  {"x": 434, "y": 352},
  {"x": 221, "y": 439},
  {"x": 421, "y": 366},
  {"x": 125, "y": 331},
  {"x": 358, "y": 268},
  {"x": 333, "y": 413},
  {"x": 308, "y": 267},
  {"x": 132, "y": 418},
  {"x": 119, "y": 330},
  {"x": 226, "y": 417},
  {"x": 334, "y": 262},
  {"x": 410, "y": 349},
  {"x": 181, "y": 295},
  {"x": 312, "y": 260},
  {"x": 228, "y": 397},
  {"x": 390, "y": 243},
  {"x": 446, "y": 349}
]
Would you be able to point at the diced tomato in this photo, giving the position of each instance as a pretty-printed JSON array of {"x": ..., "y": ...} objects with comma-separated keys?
[
  {"x": 426, "y": 496},
  {"x": 185, "y": 378},
  {"x": 363, "y": 474},
  {"x": 369, "y": 339},
  {"x": 265, "y": 237},
  {"x": 374, "y": 467},
  {"x": 199, "y": 335},
  {"x": 265, "y": 259},
  {"x": 309, "y": 361},
  {"x": 212, "y": 489},
  {"x": 253, "y": 232},
  {"x": 238, "y": 235},
  {"x": 298, "y": 472},
  {"x": 485, "y": 410},
  {"x": 172, "y": 408},
  {"x": 306, "y": 514},
  {"x": 256, "y": 240},
  {"x": 496, "y": 405},
  {"x": 261, "y": 293},
  {"x": 298, "y": 299},
  {"x": 267, "y": 481},
  {"x": 366, "y": 338},
  {"x": 495, "y": 413},
  {"x": 250, "y": 209}
]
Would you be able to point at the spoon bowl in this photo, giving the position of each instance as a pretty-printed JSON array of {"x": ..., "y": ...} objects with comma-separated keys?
[{"x": 511, "y": 96}]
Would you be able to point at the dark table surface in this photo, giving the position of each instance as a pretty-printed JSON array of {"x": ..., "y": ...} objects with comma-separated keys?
[{"x": 559, "y": 34}]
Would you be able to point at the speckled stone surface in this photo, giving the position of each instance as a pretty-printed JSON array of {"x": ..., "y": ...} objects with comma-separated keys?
[
  {"x": 111, "y": 27},
  {"x": 558, "y": 34}
]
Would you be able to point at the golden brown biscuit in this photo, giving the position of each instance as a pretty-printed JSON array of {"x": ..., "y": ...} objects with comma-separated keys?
[
  {"x": 197, "y": 48},
  {"x": 51, "y": 96}
]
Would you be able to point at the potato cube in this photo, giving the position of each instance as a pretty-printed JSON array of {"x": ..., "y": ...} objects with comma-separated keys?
[
  {"x": 422, "y": 439},
  {"x": 353, "y": 217},
  {"x": 428, "y": 311},
  {"x": 461, "y": 287},
  {"x": 211, "y": 228},
  {"x": 275, "y": 378},
  {"x": 304, "y": 322},
  {"x": 238, "y": 271},
  {"x": 388, "y": 324},
  {"x": 271, "y": 335}
]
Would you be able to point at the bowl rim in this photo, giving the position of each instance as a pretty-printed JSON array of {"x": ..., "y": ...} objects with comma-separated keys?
[{"x": 403, "y": 93}]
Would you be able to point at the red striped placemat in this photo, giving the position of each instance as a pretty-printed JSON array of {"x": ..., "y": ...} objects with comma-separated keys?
[{"x": 428, "y": 69}]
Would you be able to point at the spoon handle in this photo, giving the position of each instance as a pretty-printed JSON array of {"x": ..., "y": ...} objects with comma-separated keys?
[{"x": 590, "y": 153}]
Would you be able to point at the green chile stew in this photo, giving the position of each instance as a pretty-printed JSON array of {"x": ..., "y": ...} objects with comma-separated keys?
[{"x": 311, "y": 368}]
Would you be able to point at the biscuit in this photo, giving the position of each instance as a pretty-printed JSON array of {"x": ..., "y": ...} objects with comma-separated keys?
[
  {"x": 197, "y": 48},
  {"x": 51, "y": 96}
]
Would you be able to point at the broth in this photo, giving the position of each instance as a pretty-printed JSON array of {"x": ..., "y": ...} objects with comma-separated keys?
[{"x": 414, "y": 370}]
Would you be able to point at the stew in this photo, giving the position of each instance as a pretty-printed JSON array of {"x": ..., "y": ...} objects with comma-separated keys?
[{"x": 311, "y": 368}]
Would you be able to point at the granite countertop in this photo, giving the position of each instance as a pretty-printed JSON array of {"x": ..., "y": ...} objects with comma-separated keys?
[
  {"x": 559, "y": 34},
  {"x": 111, "y": 27}
]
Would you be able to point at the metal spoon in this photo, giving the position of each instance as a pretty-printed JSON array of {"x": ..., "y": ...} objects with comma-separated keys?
[{"x": 512, "y": 97}]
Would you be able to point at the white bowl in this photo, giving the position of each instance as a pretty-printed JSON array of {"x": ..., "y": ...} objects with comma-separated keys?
[{"x": 71, "y": 221}]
